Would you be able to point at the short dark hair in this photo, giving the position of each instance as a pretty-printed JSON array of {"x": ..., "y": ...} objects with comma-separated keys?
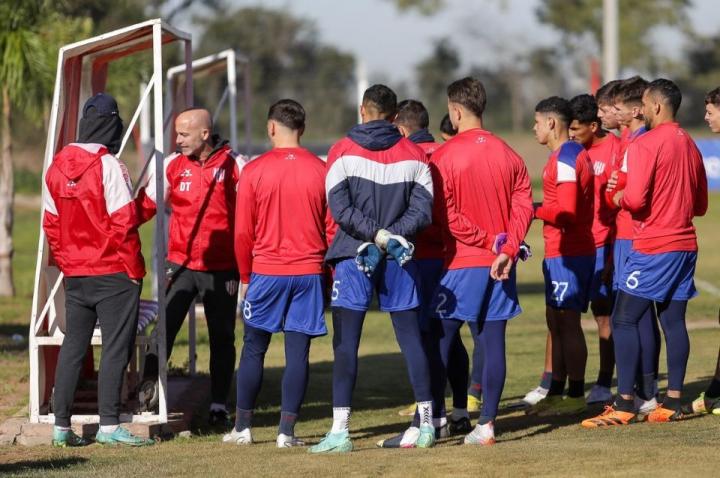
[
  {"x": 668, "y": 91},
  {"x": 289, "y": 113},
  {"x": 630, "y": 91},
  {"x": 470, "y": 93},
  {"x": 557, "y": 106},
  {"x": 382, "y": 98},
  {"x": 446, "y": 126},
  {"x": 713, "y": 97},
  {"x": 606, "y": 93},
  {"x": 413, "y": 115},
  {"x": 584, "y": 109}
]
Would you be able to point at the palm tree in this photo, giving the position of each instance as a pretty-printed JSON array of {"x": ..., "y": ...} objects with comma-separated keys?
[{"x": 23, "y": 76}]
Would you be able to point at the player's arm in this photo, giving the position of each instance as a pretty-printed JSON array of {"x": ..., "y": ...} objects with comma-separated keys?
[
  {"x": 564, "y": 211},
  {"x": 521, "y": 210},
  {"x": 349, "y": 218},
  {"x": 447, "y": 215},
  {"x": 51, "y": 225},
  {"x": 245, "y": 219},
  {"x": 640, "y": 175},
  {"x": 418, "y": 215},
  {"x": 701, "y": 198},
  {"x": 123, "y": 215},
  {"x": 146, "y": 196}
]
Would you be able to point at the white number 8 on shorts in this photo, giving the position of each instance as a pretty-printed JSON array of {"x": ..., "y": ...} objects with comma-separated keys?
[{"x": 247, "y": 310}]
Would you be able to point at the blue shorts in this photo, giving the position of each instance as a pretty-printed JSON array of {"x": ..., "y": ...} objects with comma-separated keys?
[
  {"x": 621, "y": 250},
  {"x": 430, "y": 271},
  {"x": 470, "y": 294},
  {"x": 660, "y": 277},
  {"x": 599, "y": 290},
  {"x": 285, "y": 304},
  {"x": 397, "y": 287},
  {"x": 567, "y": 282}
]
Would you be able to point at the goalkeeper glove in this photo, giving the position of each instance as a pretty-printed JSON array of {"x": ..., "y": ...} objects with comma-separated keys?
[
  {"x": 500, "y": 240},
  {"x": 400, "y": 249},
  {"x": 368, "y": 257},
  {"x": 525, "y": 252}
]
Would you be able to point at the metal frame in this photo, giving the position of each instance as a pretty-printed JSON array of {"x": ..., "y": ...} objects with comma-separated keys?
[{"x": 47, "y": 314}]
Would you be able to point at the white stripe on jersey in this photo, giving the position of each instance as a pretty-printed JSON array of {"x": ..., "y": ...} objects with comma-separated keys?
[
  {"x": 565, "y": 173},
  {"x": 116, "y": 183},
  {"x": 401, "y": 172}
]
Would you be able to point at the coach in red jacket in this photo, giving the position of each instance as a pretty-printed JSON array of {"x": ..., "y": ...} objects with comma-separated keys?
[
  {"x": 200, "y": 189},
  {"x": 90, "y": 222}
]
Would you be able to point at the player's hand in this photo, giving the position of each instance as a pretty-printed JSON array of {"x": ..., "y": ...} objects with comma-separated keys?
[
  {"x": 381, "y": 238},
  {"x": 612, "y": 182},
  {"x": 400, "y": 249},
  {"x": 617, "y": 198},
  {"x": 500, "y": 241},
  {"x": 536, "y": 205},
  {"x": 243, "y": 291},
  {"x": 501, "y": 266},
  {"x": 368, "y": 257},
  {"x": 525, "y": 252}
]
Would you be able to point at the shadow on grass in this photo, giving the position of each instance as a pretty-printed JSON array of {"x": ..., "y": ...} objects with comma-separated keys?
[{"x": 41, "y": 465}]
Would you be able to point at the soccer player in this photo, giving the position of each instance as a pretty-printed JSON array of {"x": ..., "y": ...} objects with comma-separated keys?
[
  {"x": 483, "y": 205},
  {"x": 379, "y": 190},
  {"x": 628, "y": 106},
  {"x": 91, "y": 225},
  {"x": 605, "y": 98},
  {"x": 567, "y": 214},
  {"x": 279, "y": 246},
  {"x": 447, "y": 130},
  {"x": 666, "y": 188},
  {"x": 603, "y": 149},
  {"x": 200, "y": 188},
  {"x": 709, "y": 400},
  {"x": 412, "y": 121}
]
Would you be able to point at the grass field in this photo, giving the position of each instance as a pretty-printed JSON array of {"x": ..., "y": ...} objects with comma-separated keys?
[{"x": 526, "y": 446}]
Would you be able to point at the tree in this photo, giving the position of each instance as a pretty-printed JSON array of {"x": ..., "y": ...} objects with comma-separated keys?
[
  {"x": 578, "y": 19},
  {"x": 434, "y": 74},
  {"x": 424, "y": 7},
  {"x": 286, "y": 60}
]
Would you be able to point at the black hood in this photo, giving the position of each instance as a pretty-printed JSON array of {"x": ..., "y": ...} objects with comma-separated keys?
[
  {"x": 101, "y": 129},
  {"x": 377, "y": 135},
  {"x": 421, "y": 136}
]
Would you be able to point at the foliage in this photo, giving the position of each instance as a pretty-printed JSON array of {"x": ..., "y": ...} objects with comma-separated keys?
[
  {"x": 433, "y": 75},
  {"x": 424, "y": 7}
]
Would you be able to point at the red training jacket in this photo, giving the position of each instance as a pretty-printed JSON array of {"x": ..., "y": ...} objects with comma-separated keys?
[
  {"x": 280, "y": 219},
  {"x": 202, "y": 200},
  {"x": 666, "y": 188},
  {"x": 429, "y": 243},
  {"x": 482, "y": 188},
  {"x": 90, "y": 219},
  {"x": 603, "y": 155}
]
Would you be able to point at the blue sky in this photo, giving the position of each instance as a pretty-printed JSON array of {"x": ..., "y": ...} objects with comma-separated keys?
[{"x": 392, "y": 43}]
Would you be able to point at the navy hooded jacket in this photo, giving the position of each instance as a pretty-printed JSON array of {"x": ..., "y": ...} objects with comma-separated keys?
[{"x": 376, "y": 179}]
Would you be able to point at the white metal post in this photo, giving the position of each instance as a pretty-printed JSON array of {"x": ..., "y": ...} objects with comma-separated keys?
[
  {"x": 160, "y": 242},
  {"x": 232, "y": 98},
  {"x": 611, "y": 45},
  {"x": 362, "y": 85}
]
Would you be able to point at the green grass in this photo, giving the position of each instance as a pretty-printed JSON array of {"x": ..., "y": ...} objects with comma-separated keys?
[{"x": 526, "y": 446}]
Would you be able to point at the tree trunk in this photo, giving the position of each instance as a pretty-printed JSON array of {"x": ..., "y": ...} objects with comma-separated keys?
[{"x": 7, "y": 194}]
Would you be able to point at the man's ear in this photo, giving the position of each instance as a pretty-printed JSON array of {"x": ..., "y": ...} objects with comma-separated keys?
[
  {"x": 551, "y": 123},
  {"x": 206, "y": 134},
  {"x": 403, "y": 130},
  {"x": 594, "y": 127}
]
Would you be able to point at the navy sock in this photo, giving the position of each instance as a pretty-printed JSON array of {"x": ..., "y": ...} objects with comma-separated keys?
[
  {"x": 250, "y": 369},
  {"x": 647, "y": 388},
  {"x": 649, "y": 345},
  {"x": 624, "y": 405},
  {"x": 576, "y": 388},
  {"x": 604, "y": 379},
  {"x": 407, "y": 333},
  {"x": 672, "y": 318},
  {"x": 671, "y": 403},
  {"x": 431, "y": 345},
  {"x": 628, "y": 311},
  {"x": 287, "y": 423},
  {"x": 295, "y": 376},
  {"x": 347, "y": 328},
  {"x": 457, "y": 372},
  {"x": 243, "y": 419},
  {"x": 447, "y": 333},
  {"x": 556, "y": 387},
  {"x": 546, "y": 379},
  {"x": 483, "y": 420},
  {"x": 492, "y": 337},
  {"x": 478, "y": 359},
  {"x": 713, "y": 390}
]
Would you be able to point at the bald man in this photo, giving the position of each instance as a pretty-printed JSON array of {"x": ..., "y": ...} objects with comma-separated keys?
[{"x": 200, "y": 189}]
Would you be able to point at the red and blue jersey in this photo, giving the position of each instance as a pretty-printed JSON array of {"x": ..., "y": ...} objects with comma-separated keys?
[
  {"x": 623, "y": 221},
  {"x": 567, "y": 208},
  {"x": 666, "y": 188},
  {"x": 603, "y": 155},
  {"x": 280, "y": 215},
  {"x": 482, "y": 188},
  {"x": 376, "y": 179}
]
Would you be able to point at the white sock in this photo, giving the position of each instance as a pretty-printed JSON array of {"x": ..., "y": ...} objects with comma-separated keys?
[
  {"x": 62, "y": 429},
  {"x": 108, "y": 428},
  {"x": 341, "y": 420},
  {"x": 439, "y": 422},
  {"x": 425, "y": 412},
  {"x": 218, "y": 407},
  {"x": 459, "y": 413}
]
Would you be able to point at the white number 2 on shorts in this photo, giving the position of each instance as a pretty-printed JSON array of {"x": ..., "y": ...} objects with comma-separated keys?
[
  {"x": 632, "y": 280},
  {"x": 440, "y": 309},
  {"x": 559, "y": 290}
]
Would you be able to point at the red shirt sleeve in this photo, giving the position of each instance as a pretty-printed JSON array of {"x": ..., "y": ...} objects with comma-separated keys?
[
  {"x": 521, "y": 211},
  {"x": 245, "y": 217},
  {"x": 641, "y": 171},
  {"x": 51, "y": 225},
  {"x": 565, "y": 211}
]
